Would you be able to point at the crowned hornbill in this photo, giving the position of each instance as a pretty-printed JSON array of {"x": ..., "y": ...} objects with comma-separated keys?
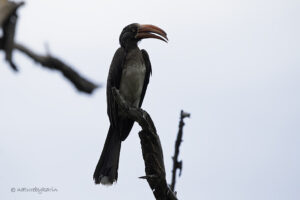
[{"x": 129, "y": 72}]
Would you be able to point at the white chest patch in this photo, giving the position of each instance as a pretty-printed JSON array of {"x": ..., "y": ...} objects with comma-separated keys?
[{"x": 132, "y": 79}]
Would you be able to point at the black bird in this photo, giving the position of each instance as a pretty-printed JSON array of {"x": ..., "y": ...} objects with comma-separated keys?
[{"x": 129, "y": 72}]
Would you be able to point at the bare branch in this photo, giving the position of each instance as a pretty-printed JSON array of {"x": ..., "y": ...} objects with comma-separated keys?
[
  {"x": 178, "y": 164},
  {"x": 151, "y": 148},
  {"x": 81, "y": 83},
  {"x": 8, "y": 20}
]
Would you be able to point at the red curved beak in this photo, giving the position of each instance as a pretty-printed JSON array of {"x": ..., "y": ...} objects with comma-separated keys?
[{"x": 151, "y": 31}]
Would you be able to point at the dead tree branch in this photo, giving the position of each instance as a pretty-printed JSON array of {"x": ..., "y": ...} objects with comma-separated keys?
[
  {"x": 151, "y": 148},
  {"x": 178, "y": 164},
  {"x": 8, "y": 20},
  {"x": 82, "y": 84}
]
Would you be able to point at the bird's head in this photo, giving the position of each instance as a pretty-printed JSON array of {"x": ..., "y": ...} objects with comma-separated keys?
[{"x": 133, "y": 33}]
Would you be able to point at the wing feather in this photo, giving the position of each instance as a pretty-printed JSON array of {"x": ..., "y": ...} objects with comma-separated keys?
[
  {"x": 113, "y": 80},
  {"x": 147, "y": 75}
]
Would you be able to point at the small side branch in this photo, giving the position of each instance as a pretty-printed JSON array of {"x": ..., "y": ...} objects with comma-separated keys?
[
  {"x": 81, "y": 83},
  {"x": 151, "y": 148},
  {"x": 178, "y": 164}
]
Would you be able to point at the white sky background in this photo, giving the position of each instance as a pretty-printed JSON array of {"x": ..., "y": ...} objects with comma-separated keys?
[{"x": 233, "y": 64}]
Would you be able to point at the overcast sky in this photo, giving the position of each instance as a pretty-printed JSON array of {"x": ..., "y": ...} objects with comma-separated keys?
[{"x": 234, "y": 65}]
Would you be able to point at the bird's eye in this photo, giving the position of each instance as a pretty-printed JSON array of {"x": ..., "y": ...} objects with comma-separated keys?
[{"x": 133, "y": 30}]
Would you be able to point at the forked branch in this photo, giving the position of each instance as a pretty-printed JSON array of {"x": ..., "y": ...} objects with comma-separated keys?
[{"x": 8, "y": 23}]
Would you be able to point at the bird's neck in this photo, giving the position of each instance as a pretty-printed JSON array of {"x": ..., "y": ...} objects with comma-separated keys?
[{"x": 130, "y": 46}]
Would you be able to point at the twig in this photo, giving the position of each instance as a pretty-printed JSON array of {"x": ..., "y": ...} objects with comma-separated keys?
[
  {"x": 178, "y": 164},
  {"x": 151, "y": 148},
  {"x": 81, "y": 83}
]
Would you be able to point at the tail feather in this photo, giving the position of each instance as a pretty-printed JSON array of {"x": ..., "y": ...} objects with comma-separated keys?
[{"x": 106, "y": 171}]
